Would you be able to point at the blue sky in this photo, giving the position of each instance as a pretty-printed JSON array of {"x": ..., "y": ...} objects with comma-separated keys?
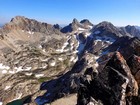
[{"x": 119, "y": 12}]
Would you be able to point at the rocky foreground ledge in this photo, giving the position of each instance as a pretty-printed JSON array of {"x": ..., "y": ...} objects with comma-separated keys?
[{"x": 117, "y": 84}]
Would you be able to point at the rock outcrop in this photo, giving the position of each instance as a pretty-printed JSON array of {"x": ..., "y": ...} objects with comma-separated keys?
[
  {"x": 126, "y": 45},
  {"x": 114, "y": 85},
  {"x": 31, "y": 25}
]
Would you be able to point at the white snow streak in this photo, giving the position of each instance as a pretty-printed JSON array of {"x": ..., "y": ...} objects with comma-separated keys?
[
  {"x": 39, "y": 75},
  {"x": 52, "y": 63},
  {"x": 7, "y": 87}
]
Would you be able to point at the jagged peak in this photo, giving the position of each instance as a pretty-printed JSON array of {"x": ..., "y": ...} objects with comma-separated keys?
[
  {"x": 86, "y": 21},
  {"x": 57, "y": 26},
  {"x": 27, "y": 24},
  {"x": 20, "y": 19},
  {"x": 75, "y": 21},
  {"x": 17, "y": 18},
  {"x": 105, "y": 23},
  {"x": 130, "y": 26}
]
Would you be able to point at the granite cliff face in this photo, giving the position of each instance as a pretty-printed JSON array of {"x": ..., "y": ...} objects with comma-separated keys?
[{"x": 42, "y": 63}]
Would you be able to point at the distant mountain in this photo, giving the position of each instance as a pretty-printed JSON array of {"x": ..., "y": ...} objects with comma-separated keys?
[
  {"x": 106, "y": 29},
  {"x": 77, "y": 26},
  {"x": 86, "y": 23},
  {"x": 22, "y": 23},
  {"x": 133, "y": 45},
  {"x": 138, "y": 27},
  {"x": 131, "y": 31}
]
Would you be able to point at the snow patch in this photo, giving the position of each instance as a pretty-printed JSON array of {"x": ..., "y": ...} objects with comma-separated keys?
[
  {"x": 81, "y": 29},
  {"x": 52, "y": 63},
  {"x": 80, "y": 45},
  {"x": 63, "y": 47},
  {"x": 4, "y": 67},
  {"x": 12, "y": 72},
  {"x": 19, "y": 96},
  {"x": 30, "y": 32},
  {"x": 97, "y": 32},
  {"x": 91, "y": 103},
  {"x": 4, "y": 71},
  {"x": 23, "y": 31},
  {"x": 27, "y": 69},
  {"x": 7, "y": 87},
  {"x": 18, "y": 69},
  {"x": 88, "y": 34},
  {"x": 39, "y": 75},
  {"x": 59, "y": 50},
  {"x": 40, "y": 46},
  {"x": 75, "y": 60},
  {"x": 60, "y": 59},
  {"x": 96, "y": 64},
  {"x": 96, "y": 57},
  {"x": 1, "y": 103},
  {"x": 96, "y": 41},
  {"x": 44, "y": 60},
  {"x": 72, "y": 58},
  {"x": 28, "y": 74},
  {"x": 105, "y": 39},
  {"x": 44, "y": 50},
  {"x": 74, "y": 52},
  {"x": 90, "y": 26},
  {"x": 45, "y": 66}
]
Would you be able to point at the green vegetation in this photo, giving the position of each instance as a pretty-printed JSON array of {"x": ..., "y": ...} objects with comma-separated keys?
[
  {"x": 66, "y": 62},
  {"x": 44, "y": 79}
]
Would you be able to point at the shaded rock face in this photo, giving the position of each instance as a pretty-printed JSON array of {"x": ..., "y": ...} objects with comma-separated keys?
[
  {"x": 126, "y": 45},
  {"x": 86, "y": 22},
  {"x": 76, "y": 25},
  {"x": 82, "y": 38},
  {"x": 72, "y": 26},
  {"x": 106, "y": 28},
  {"x": 57, "y": 26},
  {"x": 134, "y": 64},
  {"x": 132, "y": 30},
  {"x": 115, "y": 85}
]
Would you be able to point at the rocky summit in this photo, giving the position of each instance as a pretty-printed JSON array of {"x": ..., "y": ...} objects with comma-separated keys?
[{"x": 79, "y": 64}]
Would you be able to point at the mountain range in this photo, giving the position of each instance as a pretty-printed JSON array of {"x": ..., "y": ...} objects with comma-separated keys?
[{"x": 79, "y": 64}]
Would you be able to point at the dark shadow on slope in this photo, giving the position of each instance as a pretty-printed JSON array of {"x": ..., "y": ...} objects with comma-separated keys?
[
  {"x": 24, "y": 100},
  {"x": 62, "y": 86}
]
